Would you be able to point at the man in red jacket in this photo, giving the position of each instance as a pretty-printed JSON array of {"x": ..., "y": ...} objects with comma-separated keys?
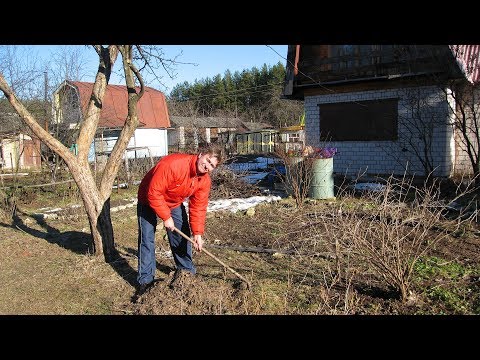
[{"x": 161, "y": 194}]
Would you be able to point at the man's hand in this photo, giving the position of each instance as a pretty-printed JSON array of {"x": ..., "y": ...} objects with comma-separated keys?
[
  {"x": 169, "y": 224},
  {"x": 198, "y": 242}
]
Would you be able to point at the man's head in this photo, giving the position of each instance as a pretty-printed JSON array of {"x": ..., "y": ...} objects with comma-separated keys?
[{"x": 209, "y": 159}]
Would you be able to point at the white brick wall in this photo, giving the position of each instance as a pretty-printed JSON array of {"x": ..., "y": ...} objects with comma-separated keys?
[
  {"x": 388, "y": 157},
  {"x": 462, "y": 161}
]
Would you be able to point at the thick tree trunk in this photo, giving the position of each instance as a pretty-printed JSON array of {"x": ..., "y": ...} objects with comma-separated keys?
[
  {"x": 96, "y": 200},
  {"x": 98, "y": 213},
  {"x": 102, "y": 232}
]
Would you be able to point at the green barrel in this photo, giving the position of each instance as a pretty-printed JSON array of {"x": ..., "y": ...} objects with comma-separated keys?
[{"x": 321, "y": 185}]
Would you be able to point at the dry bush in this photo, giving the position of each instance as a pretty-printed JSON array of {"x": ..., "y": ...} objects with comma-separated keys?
[
  {"x": 374, "y": 240},
  {"x": 5, "y": 211},
  {"x": 298, "y": 175},
  {"x": 395, "y": 228},
  {"x": 227, "y": 185}
]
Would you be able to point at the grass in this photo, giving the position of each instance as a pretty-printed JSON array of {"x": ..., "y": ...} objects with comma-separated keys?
[
  {"x": 45, "y": 268},
  {"x": 451, "y": 288}
]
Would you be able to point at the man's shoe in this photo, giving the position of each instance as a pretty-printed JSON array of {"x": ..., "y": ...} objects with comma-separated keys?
[
  {"x": 179, "y": 278},
  {"x": 143, "y": 288}
]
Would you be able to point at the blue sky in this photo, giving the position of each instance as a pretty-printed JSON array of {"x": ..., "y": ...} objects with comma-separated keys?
[{"x": 210, "y": 60}]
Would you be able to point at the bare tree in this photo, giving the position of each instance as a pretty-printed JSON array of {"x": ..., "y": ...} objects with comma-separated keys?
[
  {"x": 465, "y": 108},
  {"x": 189, "y": 137},
  {"x": 23, "y": 69},
  {"x": 67, "y": 63},
  {"x": 467, "y": 123},
  {"x": 419, "y": 120},
  {"x": 453, "y": 106},
  {"x": 95, "y": 199},
  {"x": 462, "y": 94}
]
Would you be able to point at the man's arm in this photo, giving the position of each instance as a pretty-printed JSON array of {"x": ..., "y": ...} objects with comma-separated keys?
[
  {"x": 158, "y": 186},
  {"x": 198, "y": 206}
]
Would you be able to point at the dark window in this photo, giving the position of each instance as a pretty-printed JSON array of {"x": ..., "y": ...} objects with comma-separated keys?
[{"x": 360, "y": 120}]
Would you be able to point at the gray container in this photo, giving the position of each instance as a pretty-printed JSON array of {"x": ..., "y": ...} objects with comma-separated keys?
[{"x": 321, "y": 186}]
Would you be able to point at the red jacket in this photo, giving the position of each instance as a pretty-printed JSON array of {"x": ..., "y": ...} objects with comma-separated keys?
[{"x": 173, "y": 180}]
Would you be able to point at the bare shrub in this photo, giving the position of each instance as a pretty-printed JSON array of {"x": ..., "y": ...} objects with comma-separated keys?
[
  {"x": 226, "y": 185},
  {"x": 5, "y": 209},
  {"x": 397, "y": 226},
  {"x": 298, "y": 175}
]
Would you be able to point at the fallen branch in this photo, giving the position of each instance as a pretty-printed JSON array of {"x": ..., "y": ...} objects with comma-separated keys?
[
  {"x": 37, "y": 185},
  {"x": 271, "y": 251}
]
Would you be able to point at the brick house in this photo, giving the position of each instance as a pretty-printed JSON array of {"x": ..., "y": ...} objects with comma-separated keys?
[{"x": 389, "y": 109}]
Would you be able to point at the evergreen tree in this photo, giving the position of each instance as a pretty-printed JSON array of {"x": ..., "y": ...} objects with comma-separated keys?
[{"x": 253, "y": 95}]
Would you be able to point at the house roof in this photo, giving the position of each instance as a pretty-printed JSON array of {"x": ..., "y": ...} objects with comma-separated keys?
[
  {"x": 10, "y": 123},
  {"x": 205, "y": 122},
  {"x": 218, "y": 122},
  {"x": 468, "y": 59},
  {"x": 256, "y": 126},
  {"x": 152, "y": 107},
  {"x": 307, "y": 62}
]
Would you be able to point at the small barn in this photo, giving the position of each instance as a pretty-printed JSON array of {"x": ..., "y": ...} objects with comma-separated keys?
[
  {"x": 256, "y": 138},
  {"x": 18, "y": 150},
  {"x": 70, "y": 102}
]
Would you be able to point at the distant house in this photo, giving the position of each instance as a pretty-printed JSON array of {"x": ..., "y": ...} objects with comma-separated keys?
[
  {"x": 192, "y": 132},
  {"x": 387, "y": 108},
  {"x": 292, "y": 138},
  {"x": 255, "y": 138},
  {"x": 70, "y": 102},
  {"x": 18, "y": 151}
]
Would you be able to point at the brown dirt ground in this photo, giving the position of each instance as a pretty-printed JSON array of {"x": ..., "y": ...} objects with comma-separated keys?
[{"x": 280, "y": 249}]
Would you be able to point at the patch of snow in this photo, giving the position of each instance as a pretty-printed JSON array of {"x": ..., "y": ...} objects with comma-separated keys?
[
  {"x": 239, "y": 204},
  {"x": 259, "y": 163},
  {"x": 254, "y": 177},
  {"x": 369, "y": 186},
  {"x": 53, "y": 210}
]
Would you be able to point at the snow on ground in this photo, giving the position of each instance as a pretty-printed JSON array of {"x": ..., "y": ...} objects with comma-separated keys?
[
  {"x": 259, "y": 163},
  {"x": 233, "y": 205},
  {"x": 369, "y": 186},
  {"x": 253, "y": 172},
  {"x": 237, "y": 204}
]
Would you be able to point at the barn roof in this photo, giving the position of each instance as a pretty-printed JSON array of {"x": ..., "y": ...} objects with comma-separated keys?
[
  {"x": 205, "y": 122},
  {"x": 152, "y": 107},
  {"x": 468, "y": 59}
]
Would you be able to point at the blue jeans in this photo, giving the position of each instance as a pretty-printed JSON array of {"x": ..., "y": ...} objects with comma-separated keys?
[{"x": 181, "y": 248}]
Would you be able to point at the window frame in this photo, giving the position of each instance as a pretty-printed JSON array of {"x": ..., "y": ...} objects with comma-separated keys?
[{"x": 359, "y": 120}]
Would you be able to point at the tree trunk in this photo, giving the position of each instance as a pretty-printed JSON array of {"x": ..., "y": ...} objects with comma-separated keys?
[
  {"x": 96, "y": 200},
  {"x": 98, "y": 213},
  {"x": 102, "y": 233}
]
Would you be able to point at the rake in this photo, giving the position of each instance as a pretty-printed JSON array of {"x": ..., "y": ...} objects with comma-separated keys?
[{"x": 215, "y": 258}]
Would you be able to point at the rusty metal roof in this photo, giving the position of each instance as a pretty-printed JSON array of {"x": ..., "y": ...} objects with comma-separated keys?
[
  {"x": 205, "y": 122},
  {"x": 468, "y": 58},
  {"x": 152, "y": 107}
]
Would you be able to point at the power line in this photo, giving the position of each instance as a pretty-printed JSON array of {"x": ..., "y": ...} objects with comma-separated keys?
[
  {"x": 308, "y": 76},
  {"x": 301, "y": 72}
]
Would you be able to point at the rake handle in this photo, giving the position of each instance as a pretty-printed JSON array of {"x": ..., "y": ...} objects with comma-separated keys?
[{"x": 213, "y": 257}]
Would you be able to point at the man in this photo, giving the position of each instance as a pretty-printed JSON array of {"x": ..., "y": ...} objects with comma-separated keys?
[{"x": 161, "y": 194}]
